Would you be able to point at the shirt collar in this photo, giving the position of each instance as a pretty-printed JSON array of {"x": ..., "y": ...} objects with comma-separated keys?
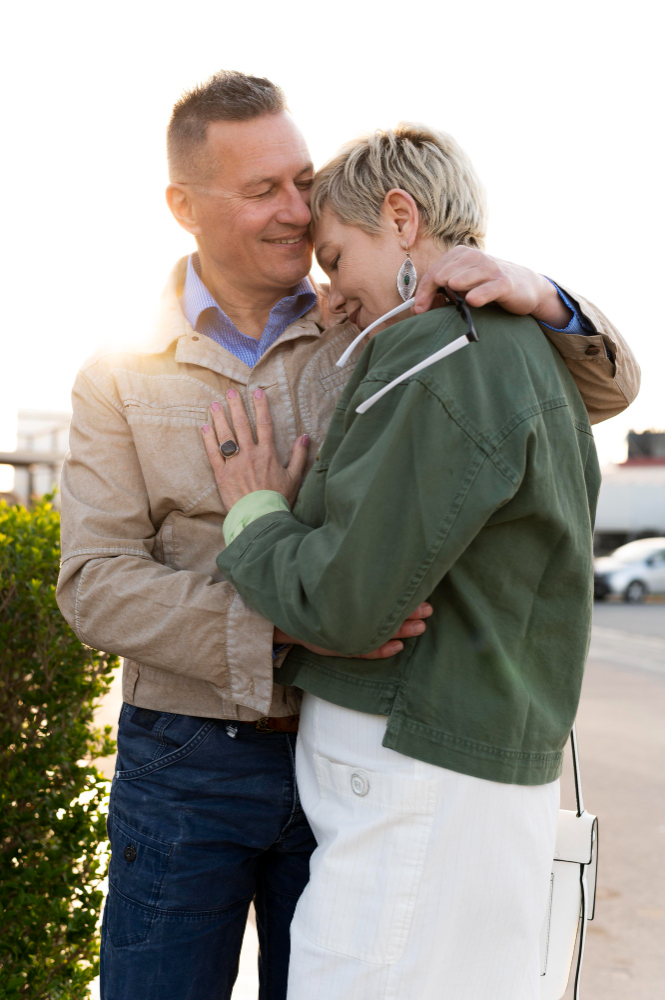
[{"x": 196, "y": 298}]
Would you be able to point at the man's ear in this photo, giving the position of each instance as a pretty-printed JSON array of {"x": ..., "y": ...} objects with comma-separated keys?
[
  {"x": 182, "y": 207},
  {"x": 401, "y": 214}
]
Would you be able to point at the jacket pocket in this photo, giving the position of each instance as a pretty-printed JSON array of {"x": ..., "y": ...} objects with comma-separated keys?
[
  {"x": 338, "y": 377},
  {"x": 137, "y": 869},
  {"x": 373, "y": 830}
]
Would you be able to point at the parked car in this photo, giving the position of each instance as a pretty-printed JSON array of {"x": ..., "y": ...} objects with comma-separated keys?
[{"x": 633, "y": 571}]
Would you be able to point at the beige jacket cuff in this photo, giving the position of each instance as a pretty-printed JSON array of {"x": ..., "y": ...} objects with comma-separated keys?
[
  {"x": 607, "y": 387},
  {"x": 249, "y": 643}
]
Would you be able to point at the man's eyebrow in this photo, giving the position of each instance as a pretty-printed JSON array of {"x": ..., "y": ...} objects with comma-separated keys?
[{"x": 258, "y": 181}]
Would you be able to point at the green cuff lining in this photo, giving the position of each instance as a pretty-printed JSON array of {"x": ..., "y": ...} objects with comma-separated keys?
[{"x": 251, "y": 507}]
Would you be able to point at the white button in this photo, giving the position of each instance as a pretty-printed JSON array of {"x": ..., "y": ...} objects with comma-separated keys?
[{"x": 359, "y": 783}]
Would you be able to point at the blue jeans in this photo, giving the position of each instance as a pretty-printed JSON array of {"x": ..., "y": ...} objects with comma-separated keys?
[{"x": 200, "y": 824}]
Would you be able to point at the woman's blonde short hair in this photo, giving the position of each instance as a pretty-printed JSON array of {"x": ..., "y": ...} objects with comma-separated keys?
[{"x": 428, "y": 164}]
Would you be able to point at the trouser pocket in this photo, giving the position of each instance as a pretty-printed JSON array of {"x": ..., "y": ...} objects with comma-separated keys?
[
  {"x": 372, "y": 829},
  {"x": 138, "y": 866}
]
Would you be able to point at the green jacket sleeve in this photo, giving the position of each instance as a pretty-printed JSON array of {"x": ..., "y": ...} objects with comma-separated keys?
[{"x": 405, "y": 492}]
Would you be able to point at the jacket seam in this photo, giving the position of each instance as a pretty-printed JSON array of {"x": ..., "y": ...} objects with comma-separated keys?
[
  {"x": 322, "y": 668},
  {"x": 582, "y": 428},
  {"x": 486, "y": 749},
  {"x": 489, "y": 446},
  {"x": 622, "y": 386},
  {"x": 187, "y": 408},
  {"x": 78, "y": 628},
  {"x": 115, "y": 551},
  {"x": 168, "y": 376},
  {"x": 443, "y": 533},
  {"x": 97, "y": 384},
  {"x": 202, "y": 496}
]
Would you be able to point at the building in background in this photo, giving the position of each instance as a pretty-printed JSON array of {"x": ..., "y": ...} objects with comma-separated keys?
[
  {"x": 632, "y": 496},
  {"x": 42, "y": 441}
]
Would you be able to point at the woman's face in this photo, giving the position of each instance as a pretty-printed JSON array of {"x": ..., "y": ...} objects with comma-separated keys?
[{"x": 362, "y": 268}]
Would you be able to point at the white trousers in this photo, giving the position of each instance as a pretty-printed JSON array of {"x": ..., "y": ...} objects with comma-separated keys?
[{"x": 426, "y": 884}]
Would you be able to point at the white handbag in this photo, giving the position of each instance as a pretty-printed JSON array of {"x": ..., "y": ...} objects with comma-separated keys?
[{"x": 572, "y": 894}]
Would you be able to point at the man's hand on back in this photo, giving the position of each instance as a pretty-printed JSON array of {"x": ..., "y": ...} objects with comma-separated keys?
[
  {"x": 412, "y": 626},
  {"x": 484, "y": 279}
]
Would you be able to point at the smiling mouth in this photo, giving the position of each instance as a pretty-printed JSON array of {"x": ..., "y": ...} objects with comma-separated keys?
[{"x": 288, "y": 241}]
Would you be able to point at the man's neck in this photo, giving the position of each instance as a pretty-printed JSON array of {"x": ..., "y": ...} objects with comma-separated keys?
[{"x": 248, "y": 308}]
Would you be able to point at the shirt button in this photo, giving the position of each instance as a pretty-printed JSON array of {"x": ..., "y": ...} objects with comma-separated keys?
[
  {"x": 129, "y": 853},
  {"x": 195, "y": 338},
  {"x": 592, "y": 350},
  {"x": 359, "y": 783}
]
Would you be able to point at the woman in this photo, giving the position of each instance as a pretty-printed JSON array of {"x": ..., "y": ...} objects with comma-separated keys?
[{"x": 430, "y": 780}]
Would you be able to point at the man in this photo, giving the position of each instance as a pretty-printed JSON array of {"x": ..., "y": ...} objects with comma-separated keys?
[{"x": 204, "y": 812}]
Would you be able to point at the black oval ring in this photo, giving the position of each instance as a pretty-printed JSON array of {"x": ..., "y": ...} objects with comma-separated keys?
[{"x": 229, "y": 448}]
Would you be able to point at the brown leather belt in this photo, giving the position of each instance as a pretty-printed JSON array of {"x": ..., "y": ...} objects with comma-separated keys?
[{"x": 287, "y": 724}]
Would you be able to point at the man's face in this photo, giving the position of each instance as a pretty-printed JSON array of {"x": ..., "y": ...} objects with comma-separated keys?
[{"x": 251, "y": 204}]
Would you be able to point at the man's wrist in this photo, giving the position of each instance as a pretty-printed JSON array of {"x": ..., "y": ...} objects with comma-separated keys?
[
  {"x": 551, "y": 309},
  {"x": 280, "y": 638}
]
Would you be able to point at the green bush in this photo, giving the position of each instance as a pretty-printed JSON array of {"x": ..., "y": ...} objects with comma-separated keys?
[{"x": 52, "y": 799}]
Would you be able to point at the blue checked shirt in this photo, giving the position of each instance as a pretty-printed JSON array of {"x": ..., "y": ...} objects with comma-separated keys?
[
  {"x": 203, "y": 313},
  {"x": 205, "y": 316}
]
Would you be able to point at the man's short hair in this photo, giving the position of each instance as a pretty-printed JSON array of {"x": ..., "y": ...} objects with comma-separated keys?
[
  {"x": 227, "y": 96},
  {"x": 428, "y": 164}
]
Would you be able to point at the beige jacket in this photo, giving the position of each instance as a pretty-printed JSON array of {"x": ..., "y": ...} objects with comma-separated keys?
[{"x": 142, "y": 517}]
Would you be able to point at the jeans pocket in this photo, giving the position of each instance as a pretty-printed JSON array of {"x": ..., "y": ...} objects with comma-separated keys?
[
  {"x": 373, "y": 830},
  {"x": 137, "y": 869},
  {"x": 138, "y": 744}
]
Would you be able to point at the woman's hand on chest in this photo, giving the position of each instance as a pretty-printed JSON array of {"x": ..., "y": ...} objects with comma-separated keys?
[{"x": 255, "y": 465}]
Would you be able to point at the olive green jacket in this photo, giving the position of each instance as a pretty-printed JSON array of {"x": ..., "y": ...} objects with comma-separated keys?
[{"x": 473, "y": 485}]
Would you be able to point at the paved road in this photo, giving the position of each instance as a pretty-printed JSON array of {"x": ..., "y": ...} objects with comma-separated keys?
[
  {"x": 636, "y": 619},
  {"x": 621, "y": 732}
]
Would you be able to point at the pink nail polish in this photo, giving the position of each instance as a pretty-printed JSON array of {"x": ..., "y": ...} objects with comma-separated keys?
[
  {"x": 258, "y": 393},
  {"x": 215, "y": 406},
  {"x": 206, "y": 428},
  {"x": 232, "y": 394},
  {"x": 305, "y": 439}
]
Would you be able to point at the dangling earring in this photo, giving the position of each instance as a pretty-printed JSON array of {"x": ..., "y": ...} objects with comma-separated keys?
[{"x": 407, "y": 278}]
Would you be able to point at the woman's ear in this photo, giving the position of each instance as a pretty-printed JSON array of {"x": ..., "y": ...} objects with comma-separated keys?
[{"x": 401, "y": 216}]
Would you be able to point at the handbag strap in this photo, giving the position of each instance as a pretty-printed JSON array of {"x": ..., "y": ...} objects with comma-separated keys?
[
  {"x": 580, "y": 951},
  {"x": 583, "y": 882},
  {"x": 576, "y": 771}
]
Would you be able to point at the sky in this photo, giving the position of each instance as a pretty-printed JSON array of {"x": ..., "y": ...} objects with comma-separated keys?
[{"x": 558, "y": 105}]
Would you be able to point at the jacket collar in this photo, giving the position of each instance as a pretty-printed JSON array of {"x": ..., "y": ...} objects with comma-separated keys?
[
  {"x": 197, "y": 349},
  {"x": 196, "y": 299}
]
